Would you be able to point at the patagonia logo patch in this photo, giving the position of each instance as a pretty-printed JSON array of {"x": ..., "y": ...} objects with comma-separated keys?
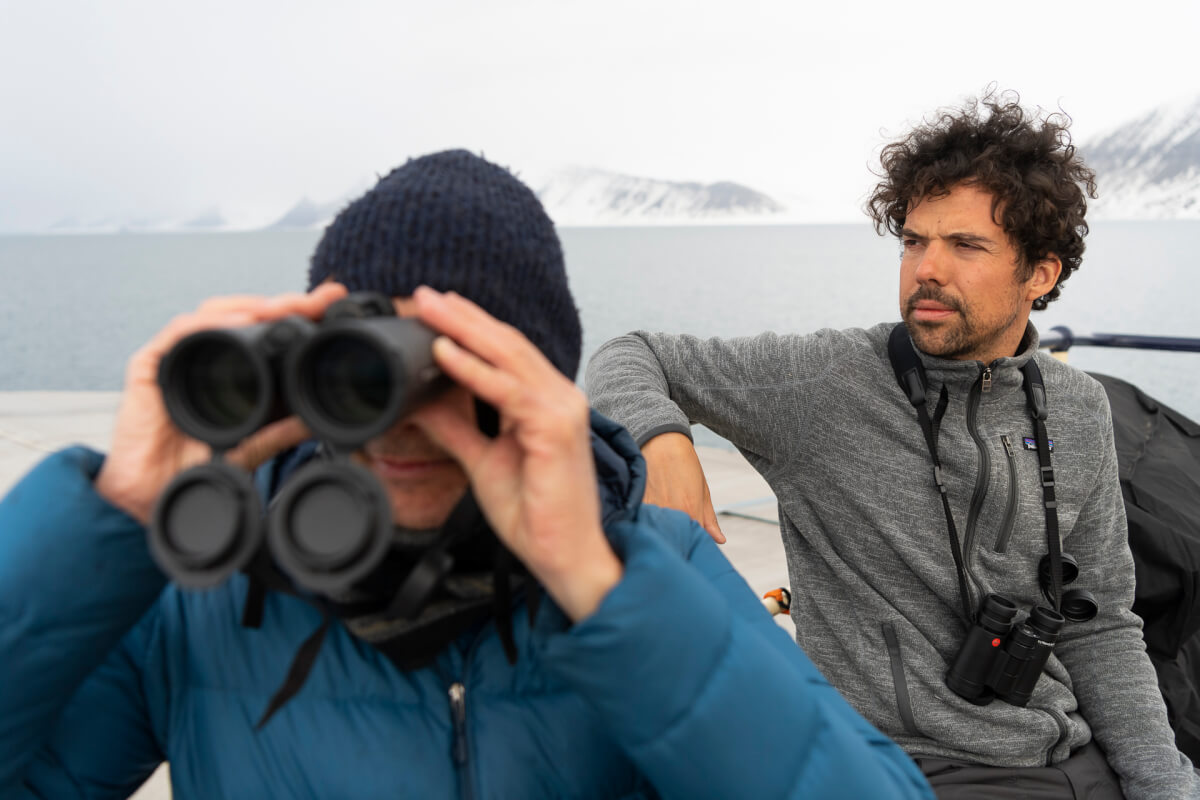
[{"x": 1031, "y": 444}]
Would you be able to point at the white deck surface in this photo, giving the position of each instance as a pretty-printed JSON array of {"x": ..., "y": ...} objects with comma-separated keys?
[{"x": 33, "y": 424}]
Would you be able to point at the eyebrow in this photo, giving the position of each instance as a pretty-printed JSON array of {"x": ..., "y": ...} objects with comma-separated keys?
[{"x": 970, "y": 238}]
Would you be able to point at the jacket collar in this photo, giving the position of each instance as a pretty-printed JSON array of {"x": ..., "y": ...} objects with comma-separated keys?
[{"x": 1006, "y": 371}]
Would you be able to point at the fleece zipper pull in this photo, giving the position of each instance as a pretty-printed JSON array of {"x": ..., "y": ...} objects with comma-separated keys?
[
  {"x": 986, "y": 378},
  {"x": 458, "y": 711}
]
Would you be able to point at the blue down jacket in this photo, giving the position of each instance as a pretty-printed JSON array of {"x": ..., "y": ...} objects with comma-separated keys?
[{"x": 679, "y": 685}]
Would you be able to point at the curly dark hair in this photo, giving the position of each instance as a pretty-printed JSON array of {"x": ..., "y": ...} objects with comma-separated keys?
[{"x": 1037, "y": 180}]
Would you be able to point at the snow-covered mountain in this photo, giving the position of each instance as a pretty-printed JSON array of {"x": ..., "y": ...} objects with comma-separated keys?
[
  {"x": 1149, "y": 168},
  {"x": 585, "y": 196},
  {"x": 209, "y": 219},
  {"x": 307, "y": 214}
]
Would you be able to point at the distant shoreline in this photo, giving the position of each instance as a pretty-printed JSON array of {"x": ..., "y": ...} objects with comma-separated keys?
[{"x": 669, "y": 224}]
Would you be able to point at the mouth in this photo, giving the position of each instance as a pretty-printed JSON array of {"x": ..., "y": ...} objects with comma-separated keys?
[
  {"x": 930, "y": 309},
  {"x": 407, "y": 467},
  {"x": 931, "y": 312}
]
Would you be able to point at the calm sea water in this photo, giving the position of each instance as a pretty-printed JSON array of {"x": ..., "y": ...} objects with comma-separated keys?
[{"x": 73, "y": 308}]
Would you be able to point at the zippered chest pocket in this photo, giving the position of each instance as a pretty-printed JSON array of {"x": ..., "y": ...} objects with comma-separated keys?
[
  {"x": 1019, "y": 484},
  {"x": 1009, "y": 521}
]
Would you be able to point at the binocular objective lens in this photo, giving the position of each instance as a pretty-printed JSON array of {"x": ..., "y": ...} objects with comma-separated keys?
[
  {"x": 351, "y": 380},
  {"x": 220, "y": 383}
]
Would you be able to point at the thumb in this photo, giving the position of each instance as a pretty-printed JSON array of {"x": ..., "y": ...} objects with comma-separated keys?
[{"x": 709, "y": 519}]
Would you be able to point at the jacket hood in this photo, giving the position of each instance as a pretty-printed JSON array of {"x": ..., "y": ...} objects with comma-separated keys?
[{"x": 620, "y": 469}]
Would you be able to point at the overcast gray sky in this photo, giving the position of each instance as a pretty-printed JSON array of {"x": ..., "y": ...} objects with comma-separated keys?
[{"x": 158, "y": 109}]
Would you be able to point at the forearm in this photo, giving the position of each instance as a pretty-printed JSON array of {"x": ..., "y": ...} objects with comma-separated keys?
[
  {"x": 626, "y": 382},
  {"x": 75, "y": 575},
  {"x": 749, "y": 390},
  {"x": 1119, "y": 697}
]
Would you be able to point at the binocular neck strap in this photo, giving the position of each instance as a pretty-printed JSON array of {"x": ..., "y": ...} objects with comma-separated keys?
[
  {"x": 910, "y": 373},
  {"x": 427, "y": 574},
  {"x": 302, "y": 664},
  {"x": 1035, "y": 394}
]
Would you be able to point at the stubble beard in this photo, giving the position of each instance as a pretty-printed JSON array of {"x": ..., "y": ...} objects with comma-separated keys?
[{"x": 956, "y": 338}]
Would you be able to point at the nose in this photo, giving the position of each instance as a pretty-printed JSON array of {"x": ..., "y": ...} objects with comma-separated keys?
[{"x": 931, "y": 267}]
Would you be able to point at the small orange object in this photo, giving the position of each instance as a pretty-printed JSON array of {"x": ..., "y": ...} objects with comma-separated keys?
[{"x": 778, "y": 601}]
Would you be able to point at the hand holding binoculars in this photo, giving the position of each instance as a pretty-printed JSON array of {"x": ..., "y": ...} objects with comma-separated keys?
[{"x": 349, "y": 377}]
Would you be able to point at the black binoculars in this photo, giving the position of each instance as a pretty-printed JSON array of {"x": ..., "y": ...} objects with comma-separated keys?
[
  {"x": 1002, "y": 659},
  {"x": 349, "y": 377}
]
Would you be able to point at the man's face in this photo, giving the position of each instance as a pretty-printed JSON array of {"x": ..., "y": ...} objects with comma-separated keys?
[
  {"x": 961, "y": 291},
  {"x": 423, "y": 481}
]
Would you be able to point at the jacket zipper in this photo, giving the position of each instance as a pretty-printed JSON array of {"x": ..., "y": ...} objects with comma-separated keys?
[
  {"x": 458, "y": 713},
  {"x": 461, "y": 752},
  {"x": 1010, "y": 508},
  {"x": 981, "y": 479}
]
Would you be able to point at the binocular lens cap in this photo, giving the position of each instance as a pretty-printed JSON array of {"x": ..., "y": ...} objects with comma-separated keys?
[
  {"x": 1079, "y": 605},
  {"x": 206, "y": 525},
  {"x": 330, "y": 526},
  {"x": 202, "y": 522},
  {"x": 1070, "y": 570}
]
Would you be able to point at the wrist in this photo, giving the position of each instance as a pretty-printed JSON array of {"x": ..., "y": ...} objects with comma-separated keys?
[
  {"x": 121, "y": 495},
  {"x": 581, "y": 585}
]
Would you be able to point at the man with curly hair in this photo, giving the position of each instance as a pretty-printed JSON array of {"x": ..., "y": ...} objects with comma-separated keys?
[{"x": 903, "y": 518}]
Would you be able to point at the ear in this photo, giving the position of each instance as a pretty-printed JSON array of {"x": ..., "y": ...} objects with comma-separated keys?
[{"x": 1045, "y": 275}]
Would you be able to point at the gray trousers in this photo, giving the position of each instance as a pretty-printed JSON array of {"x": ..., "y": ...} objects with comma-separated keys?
[{"x": 1084, "y": 776}]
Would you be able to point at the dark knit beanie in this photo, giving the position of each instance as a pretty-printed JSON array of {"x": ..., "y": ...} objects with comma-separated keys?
[{"x": 455, "y": 222}]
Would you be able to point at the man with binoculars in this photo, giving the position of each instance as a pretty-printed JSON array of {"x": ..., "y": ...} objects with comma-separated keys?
[
  {"x": 948, "y": 495},
  {"x": 441, "y": 581}
]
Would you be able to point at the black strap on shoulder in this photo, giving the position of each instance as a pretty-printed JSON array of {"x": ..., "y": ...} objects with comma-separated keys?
[
  {"x": 1035, "y": 393},
  {"x": 910, "y": 374}
]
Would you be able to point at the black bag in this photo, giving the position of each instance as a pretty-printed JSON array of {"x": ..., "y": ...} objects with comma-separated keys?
[{"x": 1158, "y": 458}]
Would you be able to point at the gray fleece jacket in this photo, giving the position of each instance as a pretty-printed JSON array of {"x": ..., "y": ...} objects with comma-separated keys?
[{"x": 875, "y": 594}]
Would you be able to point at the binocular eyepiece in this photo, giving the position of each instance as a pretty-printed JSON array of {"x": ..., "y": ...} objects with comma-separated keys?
[
  {"x": 349, "y": 378},
  {"x": 1003, "y": 659}
]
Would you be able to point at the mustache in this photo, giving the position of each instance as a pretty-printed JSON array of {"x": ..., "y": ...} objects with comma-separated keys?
[
  {"x": 934, "y": 294},
  {"x": 409, "y": 446}
]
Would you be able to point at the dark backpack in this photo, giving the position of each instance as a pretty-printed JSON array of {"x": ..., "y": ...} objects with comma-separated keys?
[{"x": 1158, "y": 458}]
